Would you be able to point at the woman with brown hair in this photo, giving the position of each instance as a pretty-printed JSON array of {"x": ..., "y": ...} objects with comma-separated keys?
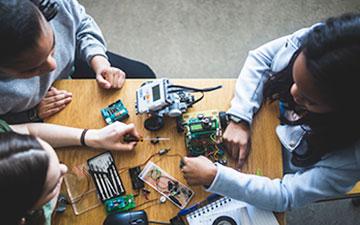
[{"x": 30, "y": 172}]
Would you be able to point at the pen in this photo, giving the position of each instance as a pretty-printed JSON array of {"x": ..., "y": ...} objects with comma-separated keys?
[{"x": 192, "y": 208}]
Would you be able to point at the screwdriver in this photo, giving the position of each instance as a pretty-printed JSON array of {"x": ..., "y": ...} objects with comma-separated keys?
[{"x": 130, "y": 138}]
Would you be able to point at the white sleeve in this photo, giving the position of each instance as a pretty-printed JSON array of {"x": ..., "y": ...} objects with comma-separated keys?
[
  {"x": 255, "y": 72},
  {"x": 292, "y": 191}
]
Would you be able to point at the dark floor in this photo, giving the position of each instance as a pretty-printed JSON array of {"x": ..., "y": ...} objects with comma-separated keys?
[
  {"x": 211, "y": 38},
  {"x": 339, "y": 212}
]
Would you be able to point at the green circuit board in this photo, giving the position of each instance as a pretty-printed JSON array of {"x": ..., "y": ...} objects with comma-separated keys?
[
  {"x": 120, "y": 204},
  {"x": 203, "y": 135}
]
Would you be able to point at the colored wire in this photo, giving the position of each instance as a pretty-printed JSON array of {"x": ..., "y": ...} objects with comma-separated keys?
[
  {"x": 212, "y": 137},
  {"x": 181, "y": 87},
  {"x": 121, "y": 170}
]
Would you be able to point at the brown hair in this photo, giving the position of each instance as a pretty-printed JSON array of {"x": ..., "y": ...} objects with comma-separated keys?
[{"x": 23, "y": 170}]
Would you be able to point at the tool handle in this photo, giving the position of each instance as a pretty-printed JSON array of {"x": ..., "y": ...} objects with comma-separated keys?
[{"x": 130, "y": 138}]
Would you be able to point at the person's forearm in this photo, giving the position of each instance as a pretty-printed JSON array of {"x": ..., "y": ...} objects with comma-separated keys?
[
  {"x": 98, "y": 62},
  {"x": 259, "y": 191},
  {"x": 56, "y": 135}
]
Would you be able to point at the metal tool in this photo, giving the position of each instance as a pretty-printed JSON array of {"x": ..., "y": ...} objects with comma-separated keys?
[
  {"x": 97, "y": 180},
  {"x": 130, "y": 138},
  {"x": 102, "y": 182}
]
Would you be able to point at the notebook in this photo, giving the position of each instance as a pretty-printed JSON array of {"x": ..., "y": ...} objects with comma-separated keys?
[{"x": 231, "y": 212}]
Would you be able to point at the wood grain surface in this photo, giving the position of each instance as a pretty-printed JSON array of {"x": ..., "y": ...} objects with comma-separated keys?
[{"x": 84, "y": 112}]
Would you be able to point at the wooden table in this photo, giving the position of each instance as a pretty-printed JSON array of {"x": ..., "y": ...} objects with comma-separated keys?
[{"x": 84, "y": 112}]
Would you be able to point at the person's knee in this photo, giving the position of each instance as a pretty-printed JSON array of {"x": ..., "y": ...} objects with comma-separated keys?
[
  {"x": 132, "y": 68},
  {"x": 140, "y": 70},
  {"x": 147, "y": 70}
]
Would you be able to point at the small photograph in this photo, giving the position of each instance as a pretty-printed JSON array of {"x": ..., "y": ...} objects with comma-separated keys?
[{"x": 157, "y": 178}]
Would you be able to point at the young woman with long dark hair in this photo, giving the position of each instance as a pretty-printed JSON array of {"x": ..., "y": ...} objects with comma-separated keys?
[{"x": 315, "y": 74}]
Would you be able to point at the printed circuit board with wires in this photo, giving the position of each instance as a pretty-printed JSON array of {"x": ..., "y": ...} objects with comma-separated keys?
[{"x": 203, "y": 134}]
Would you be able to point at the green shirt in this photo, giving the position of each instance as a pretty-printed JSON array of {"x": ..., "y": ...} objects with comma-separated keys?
[{"x": 4, "y": 127}]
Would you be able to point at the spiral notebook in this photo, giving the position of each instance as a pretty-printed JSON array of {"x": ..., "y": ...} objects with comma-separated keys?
[{"x": 232, "y": 212}]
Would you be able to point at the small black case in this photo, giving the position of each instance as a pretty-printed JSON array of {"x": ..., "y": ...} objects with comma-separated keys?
[
  {"x": 105, "y": 175},
  {"x": 136, "y": 182}
]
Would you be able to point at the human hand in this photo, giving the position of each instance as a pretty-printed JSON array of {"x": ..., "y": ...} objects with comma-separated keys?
[
  {"x": 111, "y": 137},
  {"x": 106, "y": 75},
  {"x": 237, "y": 141},
  {"x": 199, "y": 170},
  {"x": 111, "y": 77},
  {"x": 54, "y": 101}
]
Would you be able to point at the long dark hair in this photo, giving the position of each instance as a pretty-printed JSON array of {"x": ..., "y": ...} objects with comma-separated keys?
[
  {"x": 23, "y": 170},
  {"x": 20, "y": 29},
  {"x": 332, "y": 55}
]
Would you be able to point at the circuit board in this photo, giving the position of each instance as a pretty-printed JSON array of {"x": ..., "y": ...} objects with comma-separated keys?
[
  {"x": 120, "y": 204},
  {"x": 115, "y": 112},
  {"x": 203, "y": 134}
]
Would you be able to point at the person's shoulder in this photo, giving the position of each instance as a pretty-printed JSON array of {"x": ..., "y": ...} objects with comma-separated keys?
[
  {"x": 68, "y": 11},
  {"x": 347, "y": 158},
  {"x": 298, "y": 36},
  {"x": 68, "y": 5},
  {"x": 67, "y": 2}
]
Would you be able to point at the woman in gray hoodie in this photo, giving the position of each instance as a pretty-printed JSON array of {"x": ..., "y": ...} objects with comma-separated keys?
[{"x": 42, "y": 41}]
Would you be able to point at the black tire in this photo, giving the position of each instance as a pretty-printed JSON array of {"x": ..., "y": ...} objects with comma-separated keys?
[{"x": 154, "y": 123}]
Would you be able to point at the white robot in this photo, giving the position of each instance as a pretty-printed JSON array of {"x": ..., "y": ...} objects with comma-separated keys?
[{"x": 160, "y": 98}]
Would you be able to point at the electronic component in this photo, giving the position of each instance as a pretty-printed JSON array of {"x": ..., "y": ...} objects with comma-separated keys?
[
  {"x": 153, "y": 96},
  {"x": 162, "y": 199},
  {"x": 161, "y": 181},
  {"x": 115, "y": 112},
  {"x": 203, "y": 134},
  {"x": 105, "y": 175},
  {"x": 120, "y": 204},
  {"x": 136, "y": 182},
  {"x": 145, "y": 192},
  {"x": 160, "y": 98},
  {"x": 163, "y": 151},
  {"x": 155, "y": 140}
]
